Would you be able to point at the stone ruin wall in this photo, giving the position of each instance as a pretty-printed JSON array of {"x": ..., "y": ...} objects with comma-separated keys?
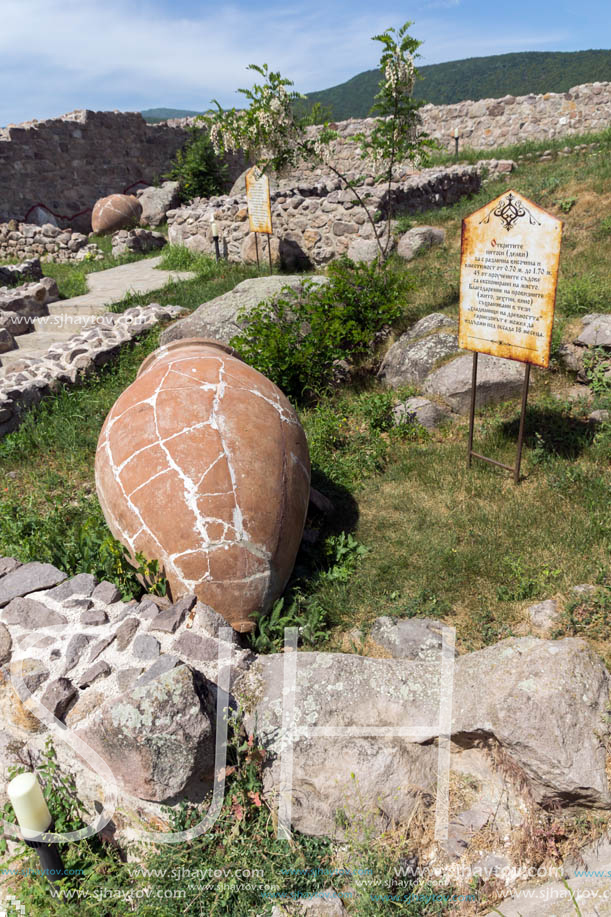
[
  {"x": 490, "y": 123},
  {"x": 67, "y": 163},
  {"x": 314, "y": 223}
]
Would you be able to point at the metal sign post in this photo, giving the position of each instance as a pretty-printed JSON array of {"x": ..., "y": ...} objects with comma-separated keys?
[
  {"x": 516, "y": 468},
  {"x": 508, "y": 275},
  {"x": 259, "y": 209}
]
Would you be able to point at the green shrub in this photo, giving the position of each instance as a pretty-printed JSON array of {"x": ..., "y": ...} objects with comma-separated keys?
[
  {"x": 295, "y": 338},
  {"x": 198, "y": 169},
  {"x": 352, "y": 437}
]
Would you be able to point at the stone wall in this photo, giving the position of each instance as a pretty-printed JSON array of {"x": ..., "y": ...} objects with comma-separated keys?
[
  {"x": 27, "y": 240},
  {"x": 503, "y": 122},
  {"x": 488, "y": 123},
  {"x": 67, "y": 163},
  {"x": 314, "y": 222}
]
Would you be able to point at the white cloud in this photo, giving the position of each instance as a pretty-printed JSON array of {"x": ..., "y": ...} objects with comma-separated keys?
[
  {"x": 74, "y": 47},
  {"x": 62, "y": 54}
]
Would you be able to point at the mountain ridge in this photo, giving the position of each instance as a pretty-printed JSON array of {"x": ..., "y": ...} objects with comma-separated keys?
[{"x": 494, "y": 76}]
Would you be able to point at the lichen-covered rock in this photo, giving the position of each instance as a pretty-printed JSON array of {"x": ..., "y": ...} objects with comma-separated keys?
[
  {"x": 497, "y": 380},
  {"x": 117, "y": 211},
  {"x": 418, "y": 350},
  {"x": 419, "y": 239},
  {"x": 202, "y": 465},
  {"x": 218, "y": 318},
  {"x": 154, "y": 735},
  {"x": 156, "y": 201},
  {"x": 502, "y": 695}
]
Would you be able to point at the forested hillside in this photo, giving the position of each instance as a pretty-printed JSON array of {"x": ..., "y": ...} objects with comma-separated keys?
[{"x": 473, "y": 78}]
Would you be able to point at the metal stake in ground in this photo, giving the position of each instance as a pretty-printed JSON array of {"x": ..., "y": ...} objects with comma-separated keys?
[
  {"x": 215, "y": 236},
  {"x": 470, "y": 453},
  {"x": 34, "y": 818},
  {"x": 257, "y": 250}
]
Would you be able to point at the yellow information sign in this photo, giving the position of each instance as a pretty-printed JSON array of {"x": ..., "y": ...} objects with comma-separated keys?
[
  {"x": 508, "y": 276},
  {"x": 259, "y": 204}
]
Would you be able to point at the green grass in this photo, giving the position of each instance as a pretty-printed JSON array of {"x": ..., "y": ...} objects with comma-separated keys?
[
  {"x": 586, "y": 244},
  {"x": 527, "y": 149},
  {"x": 434, "y": 532},
  {"x": 469, "y": 539}
]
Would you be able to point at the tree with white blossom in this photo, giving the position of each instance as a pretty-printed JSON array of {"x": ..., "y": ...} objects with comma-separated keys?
[{"x": 273, "y": 137}]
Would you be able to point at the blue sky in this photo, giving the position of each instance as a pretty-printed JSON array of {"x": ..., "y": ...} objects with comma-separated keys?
[{"x": 58, "y": 55}]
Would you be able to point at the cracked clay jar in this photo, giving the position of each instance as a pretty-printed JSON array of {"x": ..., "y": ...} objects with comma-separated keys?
[{"x": 202, "y": 465}]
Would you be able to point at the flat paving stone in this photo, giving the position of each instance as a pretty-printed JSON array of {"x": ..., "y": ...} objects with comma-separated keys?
[{"x": 30, "y": 577}]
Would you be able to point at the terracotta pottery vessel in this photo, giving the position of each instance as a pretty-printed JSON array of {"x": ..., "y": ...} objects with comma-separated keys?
[{"x": 202, "y": 465}]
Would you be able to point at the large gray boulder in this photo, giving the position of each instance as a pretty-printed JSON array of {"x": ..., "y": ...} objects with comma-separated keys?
[
  {"x": 544, "y": 702},
  {"x": 218, "y": 318},
  {"x": 154, "y": 736},
  {"x": 422, "y": 410},
  {"x": 419, "y": 239},
  {"x": 497, "y": 380},
  {"x": 379, "y": 778},
  {"x": 156, "y": 202},
  {"x": 412, "y": 357},
  {"x": 595, "y": 331}
]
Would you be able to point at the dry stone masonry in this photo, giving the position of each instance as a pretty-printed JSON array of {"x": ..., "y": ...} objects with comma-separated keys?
[
  {"x": 66, "y": 361},
  {"x": 65, "y": 164},
  {"x": 315, "y": 222},
  {"x": 487, "y": 123},
  {"x": 27, "y": 240},
  {"x": 138, "y": 682}
]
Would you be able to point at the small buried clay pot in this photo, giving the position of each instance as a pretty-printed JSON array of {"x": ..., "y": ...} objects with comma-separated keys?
[{"x": 202, "y": 465}]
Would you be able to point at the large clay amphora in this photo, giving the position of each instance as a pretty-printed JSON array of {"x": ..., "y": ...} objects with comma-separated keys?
[{"x": 202, "y": 465}]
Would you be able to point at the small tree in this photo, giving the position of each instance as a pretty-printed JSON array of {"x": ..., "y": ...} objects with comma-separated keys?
[
  {"x": 197, "y": 167},
  {"x": 273, "y": 136}
]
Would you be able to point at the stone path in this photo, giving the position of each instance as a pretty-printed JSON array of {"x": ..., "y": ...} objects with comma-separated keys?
[{"x": 69, "y": 316}]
